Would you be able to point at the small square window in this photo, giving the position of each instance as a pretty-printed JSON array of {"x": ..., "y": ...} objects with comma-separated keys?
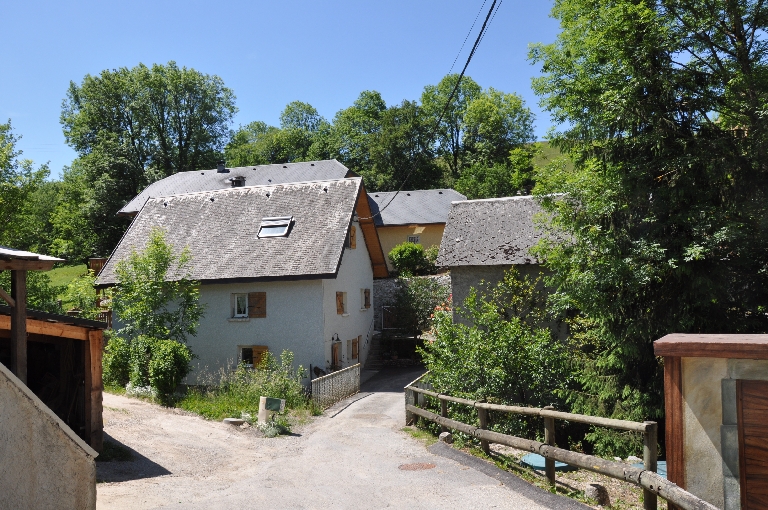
[
  {"x": 414, "y": 239},
  {"x": 278, "y": 226},
  {"x": 241, "y": 305}
]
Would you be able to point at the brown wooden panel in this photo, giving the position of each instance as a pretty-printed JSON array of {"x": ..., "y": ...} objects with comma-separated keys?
[
  {"x": 96, "y": 345},
  {"x": 367, "y": 300},
  {"x": 339, "y": 303},
  {"x": 673, "y": 402},
  {"x": 257, "y": 304},
  {"x": 258, "y": 354},
  {"x": 752, "y": 411},
  {"x": 352, "y": 237}
]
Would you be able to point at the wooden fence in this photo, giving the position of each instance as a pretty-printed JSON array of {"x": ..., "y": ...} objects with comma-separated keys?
[
  {"x": 652, "y": 484},
  {"x": 336, "y": 386}
]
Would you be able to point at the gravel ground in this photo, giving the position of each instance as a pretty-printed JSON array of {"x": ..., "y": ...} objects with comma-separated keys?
[{"x": 347, "y": 458}]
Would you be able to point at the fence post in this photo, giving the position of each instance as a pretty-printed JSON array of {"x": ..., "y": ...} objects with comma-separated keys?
[
  {"x": 650, "y": 456},
  {"x": 549, "y": 438},
  {"x": 482, "y": 415},
  {"x": 409, "y": 399},
  {"x": 444, "y": 414}
]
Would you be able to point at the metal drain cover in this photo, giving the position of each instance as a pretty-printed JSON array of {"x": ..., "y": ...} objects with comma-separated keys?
[{"x": 418, "y": 466}]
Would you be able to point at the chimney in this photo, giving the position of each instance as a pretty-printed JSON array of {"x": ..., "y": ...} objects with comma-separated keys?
[{"x": 220, "y": 167}]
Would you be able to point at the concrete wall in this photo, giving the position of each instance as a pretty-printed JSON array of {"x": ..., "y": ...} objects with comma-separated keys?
[
  {"x": 354, "y": 275},
  {"x": 294, "y": 322},
  {"x": 43, "y": 464},
  {"x": 710, "y": 431},
  {"x": 429, "y": 235}
]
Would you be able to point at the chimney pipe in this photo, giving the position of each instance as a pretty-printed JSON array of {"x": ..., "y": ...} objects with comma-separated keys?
[{"x": 220, "y": 167}]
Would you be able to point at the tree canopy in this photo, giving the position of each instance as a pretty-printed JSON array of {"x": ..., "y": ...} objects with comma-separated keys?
[{"x": 663, "y": 104}]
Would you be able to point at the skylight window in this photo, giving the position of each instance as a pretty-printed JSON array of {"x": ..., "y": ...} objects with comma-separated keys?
[{"x": 278, "y": 226}]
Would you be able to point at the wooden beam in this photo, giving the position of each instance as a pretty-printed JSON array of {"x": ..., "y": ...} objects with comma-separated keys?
[
  {"x": 49, "y": 328},
  {"x": 18, "y": 325},
  {"x": 7, "y": 298},
  {"x": 370, "y": 235},
  {"x": 26, "y": 265},
  {"x": 96, "y": 345},
  {"x": 673, "y": 409}
]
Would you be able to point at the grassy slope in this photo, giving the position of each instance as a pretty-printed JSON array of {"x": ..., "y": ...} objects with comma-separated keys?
[
  {"x": 63, "y": 275},
  {"x": 548, "y": 154}
]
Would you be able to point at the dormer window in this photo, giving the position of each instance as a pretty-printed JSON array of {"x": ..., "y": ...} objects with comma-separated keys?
[
  {"x": 237, "y": 182},
  {"x": 278, "y": 226}
]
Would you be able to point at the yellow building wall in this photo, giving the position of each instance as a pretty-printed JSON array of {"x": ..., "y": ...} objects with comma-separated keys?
[{"x": 429, "y": 235}]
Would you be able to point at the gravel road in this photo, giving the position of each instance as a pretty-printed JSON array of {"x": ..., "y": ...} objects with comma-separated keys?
[{"x": 347, "y": 458}]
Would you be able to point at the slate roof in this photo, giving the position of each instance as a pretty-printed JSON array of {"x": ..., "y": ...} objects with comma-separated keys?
[
  {"x": 220, "y": 228},
  {"x": 14, "y": 254},
  {"x": 413, "y": 207},
  {"x": 261, "y": 175},
  {"x": 490, "y": 232}
]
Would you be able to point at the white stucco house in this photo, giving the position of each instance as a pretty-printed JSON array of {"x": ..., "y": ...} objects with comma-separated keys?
[{"x": 285, "y": 266}]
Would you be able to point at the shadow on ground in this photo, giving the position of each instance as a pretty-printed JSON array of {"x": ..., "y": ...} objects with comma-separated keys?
[
  {"x": 392, "y": 379},
  {"x": 136, "y": 468}
]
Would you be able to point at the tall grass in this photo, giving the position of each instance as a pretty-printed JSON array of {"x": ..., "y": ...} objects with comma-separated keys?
[{"x": 230, "y": 394}]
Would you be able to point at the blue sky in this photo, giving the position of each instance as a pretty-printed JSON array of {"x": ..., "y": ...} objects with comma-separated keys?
[{"x": 268, "y": 53}]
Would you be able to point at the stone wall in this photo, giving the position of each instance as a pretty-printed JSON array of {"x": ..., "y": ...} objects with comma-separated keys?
[
  {"x": 384, "y": 291},
  {"x": 44, "y": 465}
]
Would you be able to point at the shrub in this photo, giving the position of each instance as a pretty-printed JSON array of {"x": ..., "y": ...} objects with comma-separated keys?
[
  {"x": 410, "y": 259},
  {"x": 116, "y": 362},
  {"x": 415, "y": 301},
  {"x": 168, "y": 366}
]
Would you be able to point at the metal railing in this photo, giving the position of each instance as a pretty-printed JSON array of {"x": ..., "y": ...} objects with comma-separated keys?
[
  {"x": 652, "y": 484},
  {"x": 331, "y": 388}
]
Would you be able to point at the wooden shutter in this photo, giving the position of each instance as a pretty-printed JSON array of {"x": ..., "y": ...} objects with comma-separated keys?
[
  {"x": 258, "y": 354},
  {"x": 257, "y": 304},
  {"x": 355, "y": 347},
  {"x": 367, "y": 298},
  {"x": 340, "y": 303},
  {"x": 352, "y": 237}
]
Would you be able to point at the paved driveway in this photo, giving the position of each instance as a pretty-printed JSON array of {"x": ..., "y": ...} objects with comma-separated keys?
[{"x": 348, "y": 458}]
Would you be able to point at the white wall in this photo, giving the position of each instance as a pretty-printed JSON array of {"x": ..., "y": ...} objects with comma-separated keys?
[
  {"x": 294, "y": 322},
  {"x": 43, "y": 464},
  {"x": 354, "y": 274}
]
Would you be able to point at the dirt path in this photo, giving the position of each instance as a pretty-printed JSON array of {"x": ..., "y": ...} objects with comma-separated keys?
[{"x": 349, "y": 460}]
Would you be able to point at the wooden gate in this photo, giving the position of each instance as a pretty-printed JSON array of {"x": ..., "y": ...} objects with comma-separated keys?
[{"x": 752, "y": 408}]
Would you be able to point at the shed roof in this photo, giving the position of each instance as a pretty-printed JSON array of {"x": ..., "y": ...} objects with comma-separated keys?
[
  {"x": 489, "y": 232},
  {"x": 11, "y": 258},
  {"x": 419, "y": 207},
  {"x": 220, "y": 228},
  {"x": 694, "y": 345},
  {"x": 260, "y": 175}
]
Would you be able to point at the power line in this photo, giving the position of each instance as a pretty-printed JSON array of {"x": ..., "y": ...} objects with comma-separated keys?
[
  {"x": 447, "y": 103},
  {"x": 467, "y": 37}
]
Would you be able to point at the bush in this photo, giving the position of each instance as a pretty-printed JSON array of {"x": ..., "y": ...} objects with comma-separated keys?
[
  {"x": 508, "y": 355},
  {"x": 146, "y": 363},
  {"x": 415, "y": 301},
  {"x": 168, "y": 366},
  {"x": 116, "y": 362},
  {"x": 410, "y": 259}
]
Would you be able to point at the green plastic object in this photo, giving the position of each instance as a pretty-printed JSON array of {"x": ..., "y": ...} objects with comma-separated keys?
[
  {"x": 536, "y": 461},
  {"x": 275, "y": 404}
]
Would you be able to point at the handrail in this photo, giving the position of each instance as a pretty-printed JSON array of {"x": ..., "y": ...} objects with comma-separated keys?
[
  {"x": 652, "y": 484},
  {"x": 543, "y": 413},
  {"x": 336, "y": 386}
]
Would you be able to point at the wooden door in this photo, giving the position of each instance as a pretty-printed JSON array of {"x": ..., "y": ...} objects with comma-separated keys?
[
  {"x": 336, "y": 356},
  {"x": 752, "y": 408}
]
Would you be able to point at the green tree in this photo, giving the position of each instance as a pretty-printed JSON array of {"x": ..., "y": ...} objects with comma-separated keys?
[
  {"x": 133, "y": 126},
  {"x": 666, "y": 207},
  {"x": 434, "y": 101},
  {"x": 154, "y": 296},
  {"x": 80, "y": 294},
  {"x": 75, "y": 216},
  {"x": 515, "y": 176},
  {"x": 19, "y": 181}
]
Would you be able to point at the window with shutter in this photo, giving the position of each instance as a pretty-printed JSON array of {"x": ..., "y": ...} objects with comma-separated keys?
[
  {"x": 355, "y": 347},
  {"x": 352, "y": 237},
  {"x": 341, "y": 303},
  {"x": 367, "y": 302},
  {"x": 257, "y": 304},
  {"x": 259, "y": 351}
]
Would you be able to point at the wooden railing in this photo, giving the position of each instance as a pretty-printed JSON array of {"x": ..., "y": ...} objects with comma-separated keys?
[
  {"x": 336, "y": 386},
  {"x": 652, "y": 484}
]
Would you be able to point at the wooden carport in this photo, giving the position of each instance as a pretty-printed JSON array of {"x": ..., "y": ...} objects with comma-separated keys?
[{"x": 56, "y": 356}]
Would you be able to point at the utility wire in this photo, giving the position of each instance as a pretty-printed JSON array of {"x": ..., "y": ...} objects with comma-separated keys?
[
  {"x": 491, "y": 21},
  {"x": 447, "y": 103},
  {"x": 467, "y": 37}
]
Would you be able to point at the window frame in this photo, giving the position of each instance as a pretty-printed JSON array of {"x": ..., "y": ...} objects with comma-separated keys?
[
  {"x": 416, "y": 237},
  {"x": 273, "y": 222},
  {"x": 235, "y": 297}
]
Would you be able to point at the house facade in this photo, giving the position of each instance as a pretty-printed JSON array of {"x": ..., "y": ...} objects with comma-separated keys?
[
  {"x": 417, "y": 216},
  {"x": 282, "y": 267}
]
